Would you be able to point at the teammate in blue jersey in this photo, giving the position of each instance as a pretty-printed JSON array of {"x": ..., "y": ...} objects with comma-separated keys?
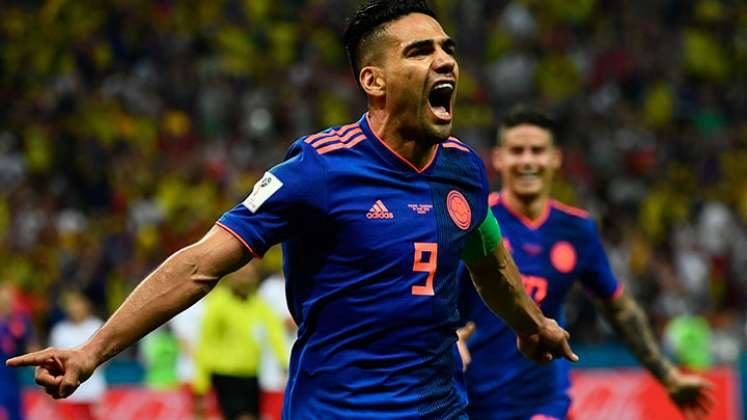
[
  {"x": 374, "y": 218},
  {"x": 16, "y": 336},
  {"x": 554, "y": 246}
]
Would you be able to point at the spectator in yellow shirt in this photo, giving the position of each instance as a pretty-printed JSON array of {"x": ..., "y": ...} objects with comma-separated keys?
[{"x": 237, "y": 324}]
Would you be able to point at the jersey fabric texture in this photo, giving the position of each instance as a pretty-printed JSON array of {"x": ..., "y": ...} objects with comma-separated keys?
[
  {"x": 553, "y": 252},
  {"x": 371, "y": 247}
]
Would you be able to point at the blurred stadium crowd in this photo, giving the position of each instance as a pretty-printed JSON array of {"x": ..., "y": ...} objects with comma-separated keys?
[{"x": 129, "y": 126}]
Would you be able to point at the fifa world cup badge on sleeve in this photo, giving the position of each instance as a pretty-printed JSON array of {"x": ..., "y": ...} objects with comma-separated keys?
[{"x": 263, "y": 189}]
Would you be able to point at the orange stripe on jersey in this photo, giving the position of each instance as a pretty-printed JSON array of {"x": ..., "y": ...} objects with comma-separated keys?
[
  {"x": 344, "y": 138},
  {"x": 335, "y": 146},
  {"x": 325, "y": 133},
  {"x": 455, "y": 146},
  {"x": 313, "y": 137},
  {"x": 493, "y": 199},
  {"x": 237, "y": 236},
  {"x": 570, "y": 210}
]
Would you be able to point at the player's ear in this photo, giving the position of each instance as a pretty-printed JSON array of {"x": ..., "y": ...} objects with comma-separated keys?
[
  {"x": 557, "y": 158},
  {"x": 372, "y": 81},
  {"x": 497, "y": 158}
]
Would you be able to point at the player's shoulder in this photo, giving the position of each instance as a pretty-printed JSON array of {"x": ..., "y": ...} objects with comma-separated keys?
[
  {"x": 569, "y": 211},
  {"x": 332, "y": 141},
  {"x": 461, "y": 159},
  {"x": 494, "y": 199},
  {"x": 453, "y": 144},
  {"x": 573, "y": 215}
]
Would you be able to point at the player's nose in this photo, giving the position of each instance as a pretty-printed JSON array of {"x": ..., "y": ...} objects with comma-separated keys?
[{"x": 444, "y": 63}]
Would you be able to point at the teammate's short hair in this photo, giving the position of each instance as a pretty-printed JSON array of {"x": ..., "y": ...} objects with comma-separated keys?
[
  {"x": 522, "y": 114},
  {"x": 369, "y": 21}
]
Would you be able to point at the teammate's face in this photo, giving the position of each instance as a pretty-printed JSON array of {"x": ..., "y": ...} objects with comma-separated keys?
[
  {"x": 421, "y": 74},
  {"x": 527, "y": 160}
]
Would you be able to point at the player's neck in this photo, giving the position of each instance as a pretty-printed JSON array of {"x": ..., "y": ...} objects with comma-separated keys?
[
  {"x": 416, "y": 151},
  {"x": 532, "y": 208}
]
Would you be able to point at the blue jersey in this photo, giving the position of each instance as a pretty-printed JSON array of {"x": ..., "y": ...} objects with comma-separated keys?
[
  {"x": 551, "y": 253},
  {"x": 15, "y": 332},
  {"x": 371, "y": 247}
]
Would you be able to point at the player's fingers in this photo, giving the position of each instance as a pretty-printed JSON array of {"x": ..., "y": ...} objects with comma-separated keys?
[
  {"x": 69, "y": 383},
  {"x": 708, "y": 385},
  {"x": 696, "y": 412},
  {"x": 466, "y": 331},
  {"x": 706, "y": 404},
  {"x": 544, "y": 357},
  {"x": 706, "y": 398},
  {"x": 699, "y": 413},
  {"x": 52, "y": 391},
  {"x": 31, "y": 359},
  {"x": 568, "y": 353},
  {"x": 43, "y": 377}
]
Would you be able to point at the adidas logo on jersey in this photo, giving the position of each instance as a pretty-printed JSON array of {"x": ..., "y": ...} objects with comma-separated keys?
[{"x": 379, "y": 211}]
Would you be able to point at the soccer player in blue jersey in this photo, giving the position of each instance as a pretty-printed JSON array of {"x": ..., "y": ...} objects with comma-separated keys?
[
  {"x": 554, "y": 246},
  {"x": 374, "y": 218}
]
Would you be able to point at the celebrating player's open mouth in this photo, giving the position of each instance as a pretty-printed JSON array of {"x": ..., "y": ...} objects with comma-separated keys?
[{"x": 440, "y": 99}]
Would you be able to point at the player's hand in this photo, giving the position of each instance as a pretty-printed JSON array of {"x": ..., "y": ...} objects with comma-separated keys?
[
  {"x": 463, "y": 334},
  {"x": 691, "y": 394},
  {"x": 548, "y": 344},
  {"x": 58, "y": 371}
]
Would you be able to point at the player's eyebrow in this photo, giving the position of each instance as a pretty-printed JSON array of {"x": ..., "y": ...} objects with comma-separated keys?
[{"x": 446, "y": 43}]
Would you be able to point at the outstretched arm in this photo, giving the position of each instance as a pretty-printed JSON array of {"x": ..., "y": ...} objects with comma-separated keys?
[
  {"x": 184, "y": 278},
  {"x": 689, "y": 392},
  {"x": 499, "y": 284}
]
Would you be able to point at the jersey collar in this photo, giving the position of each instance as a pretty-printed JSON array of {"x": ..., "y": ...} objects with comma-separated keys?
[
  {"x": 529, "y": 223},
  {"x": 390, "y": 154}
]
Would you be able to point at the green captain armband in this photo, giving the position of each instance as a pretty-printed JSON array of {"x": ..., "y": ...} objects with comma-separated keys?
[{"x": 483, "y": 240}]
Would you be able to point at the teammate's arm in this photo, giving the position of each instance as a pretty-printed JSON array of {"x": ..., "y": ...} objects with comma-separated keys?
[
  {"x": 689, "y": 392},
  {"x": 498, "y": 282},
  {"x": 181, "y": 280}
]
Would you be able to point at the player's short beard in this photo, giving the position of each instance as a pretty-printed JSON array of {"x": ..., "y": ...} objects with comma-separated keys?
[{"x": 438, "y": 134}]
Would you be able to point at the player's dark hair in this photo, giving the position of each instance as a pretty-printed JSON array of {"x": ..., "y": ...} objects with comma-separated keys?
[
  {"x": 370, "y": 18},
  {"x": 523, "y": 115}
]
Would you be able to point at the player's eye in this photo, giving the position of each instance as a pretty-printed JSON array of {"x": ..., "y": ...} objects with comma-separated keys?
[{"x": 420, "y": 51}]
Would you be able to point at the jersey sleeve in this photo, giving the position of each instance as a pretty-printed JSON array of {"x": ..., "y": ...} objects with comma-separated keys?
[
  {"x": 597, "y": 276},
  {"x": 288, "y": 199},
  {"x": 483, "y": 240}
]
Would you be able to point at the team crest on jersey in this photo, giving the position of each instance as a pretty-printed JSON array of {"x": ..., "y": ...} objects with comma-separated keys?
[
  {"x": 379, "y": 211},
  {"x": 263, "y": 189},
  {"x": 459, "y": 209},
  {"x": 563, "y": 257}
]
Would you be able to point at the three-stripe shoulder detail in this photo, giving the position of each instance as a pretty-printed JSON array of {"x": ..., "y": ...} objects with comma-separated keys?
[
  {"x": 343, "y": 137},
  {"x": 454, "y": 143}
]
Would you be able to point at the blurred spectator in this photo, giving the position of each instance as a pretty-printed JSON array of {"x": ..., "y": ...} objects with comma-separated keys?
[
  {"x": 186, "y": 329},
  {"x": 236, "y": 326},
  {"x": 78, "y": 326},
  {"x": 272, "y": 372},
  {"x": 159, "y": 351},
  {"x": 16, "y": 337},
  {"x": 689, "y": 338}
]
